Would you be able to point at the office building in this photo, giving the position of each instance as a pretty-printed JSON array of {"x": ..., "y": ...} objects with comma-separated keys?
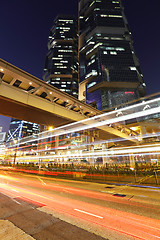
[
  {"x": 2, "y": 136},
  {"x": 61, "y": 65},
  {"x": 109, "y": 70},
  {"x": 20, "y": 128},
  {"x": 2, "y": 145}
]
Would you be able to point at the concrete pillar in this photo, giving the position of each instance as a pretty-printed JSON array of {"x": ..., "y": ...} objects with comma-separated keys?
[
  {"x": 91, "y": 159},
  {"x": 142, "y": 132},
  {"x": 104, "y": 156},
  {"x": 132, "y": 161},
  {"x": 56, "y": 144}
]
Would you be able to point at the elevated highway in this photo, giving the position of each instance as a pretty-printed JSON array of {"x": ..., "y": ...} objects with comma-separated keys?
[{"x": 26, "y": 97}]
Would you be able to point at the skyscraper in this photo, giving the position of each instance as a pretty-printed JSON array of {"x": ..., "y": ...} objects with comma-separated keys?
[
  {"x": 61, "y": 65},
  {"x": 109, "y": 71}
]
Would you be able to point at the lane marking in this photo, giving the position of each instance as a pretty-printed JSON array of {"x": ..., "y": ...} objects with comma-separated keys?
[
  {"x": 108, "y": 192},
  {"x": 43, "y": 183},
  {"x": 78, "y": 210},
  {"x": 16, "y": 201},
  {"x": 141, "y": 196},
  {"x": 14, "y": 190}
]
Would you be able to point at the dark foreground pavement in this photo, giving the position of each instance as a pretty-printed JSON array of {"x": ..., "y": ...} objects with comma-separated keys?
[{"x": 20, "y": 214}]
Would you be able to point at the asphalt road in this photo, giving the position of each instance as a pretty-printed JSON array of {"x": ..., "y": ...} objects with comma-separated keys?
[{"x": 110, "y": 211}]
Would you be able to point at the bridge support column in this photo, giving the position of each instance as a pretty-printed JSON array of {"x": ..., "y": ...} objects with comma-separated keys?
[
  {"x": 142, "y": 132},
  {"x": 104, "y": 156},
  {"x": 91, "y": 159},
  {"x": 56, "y": 145},
  {"x": 132, "y": 161}
]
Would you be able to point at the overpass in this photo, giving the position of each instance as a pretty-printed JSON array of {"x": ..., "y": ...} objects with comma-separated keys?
[{"x": 26, "y": 97}]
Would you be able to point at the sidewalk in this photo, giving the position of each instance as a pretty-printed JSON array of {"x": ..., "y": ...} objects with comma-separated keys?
[
  {"x": 8, "y": 231},
  {"x": 21, "y": 220}
]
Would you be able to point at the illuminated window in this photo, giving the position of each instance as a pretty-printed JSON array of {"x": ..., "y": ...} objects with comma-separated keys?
[
  {"x": 91, "y": 84},
  {"x": 61, "y": 67},
  {"x": 115, "y": 38},
  {"x": 120, "y": 49},
  {"x": 133, "y": 68},
  {"x": 63, "y": 20},
  {"x": 93, "y": 73},
  {"x": 64, "y": 28},
  {"x": 86, "y": 19},
  {"x": 110, "y": 48},
  {"x": 64, "y": 50},
  {"x": 98, "y": 44},
  {"x": 113, "y": 53},
  {"x": 114, "y": 16},
  {"x": 56, "y": 58},
  {"x": 91, "y": 62},
  {"x": 91, "y": 3}
]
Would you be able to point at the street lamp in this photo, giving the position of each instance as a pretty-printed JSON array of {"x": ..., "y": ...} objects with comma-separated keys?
[{"x": 14, "y": 160}]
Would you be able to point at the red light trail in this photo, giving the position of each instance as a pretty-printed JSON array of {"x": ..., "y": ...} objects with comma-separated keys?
[{"x": 46, "y": 193}]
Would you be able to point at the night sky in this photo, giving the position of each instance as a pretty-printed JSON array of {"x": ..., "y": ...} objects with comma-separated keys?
[{"x": 25, "y": 25}]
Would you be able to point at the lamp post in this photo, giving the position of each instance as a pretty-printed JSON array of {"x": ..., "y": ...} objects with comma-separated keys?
[{"x": 14, "y": 160}]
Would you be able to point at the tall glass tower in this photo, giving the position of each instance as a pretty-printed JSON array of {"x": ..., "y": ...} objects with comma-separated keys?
[
  {"x": 61, "y": 65},
  {"x": 109, "y": 71}
]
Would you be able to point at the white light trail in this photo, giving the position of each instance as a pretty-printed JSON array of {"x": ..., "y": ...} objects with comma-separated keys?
[
  {"x": 148, "y": 149},
  {"x": 99, "y": 121}
]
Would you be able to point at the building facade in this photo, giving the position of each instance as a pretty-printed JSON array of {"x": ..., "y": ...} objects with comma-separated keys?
[
  {"x": 61, "y": 65},
  {"x": 20, "y": 128},
  {"x": 109, "y": 70}
]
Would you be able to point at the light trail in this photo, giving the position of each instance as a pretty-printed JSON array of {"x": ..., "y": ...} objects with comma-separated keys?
[
  {"x": 78, "y": 145},
  {"x": 74, "y": 191},
  {"x": 128, "y": 224},
  {"x": 100, "y": 120},
  {"x": 107, "y": 153}
]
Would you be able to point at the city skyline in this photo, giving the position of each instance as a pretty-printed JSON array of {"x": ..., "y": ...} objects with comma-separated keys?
[{"x": 25, "y": 30}]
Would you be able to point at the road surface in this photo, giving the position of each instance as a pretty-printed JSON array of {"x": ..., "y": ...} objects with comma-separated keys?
[{"x": 110, "y": 211}]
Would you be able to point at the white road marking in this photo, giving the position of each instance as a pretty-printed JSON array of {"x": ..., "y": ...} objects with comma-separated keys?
[
  {"x": 14, "y": 190},
  {"x": 107, "y": 191},
  {"x": 16, "y": 201},
  {"x": 43, "y": 183},
  {"x": 78, "y": 210}
]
